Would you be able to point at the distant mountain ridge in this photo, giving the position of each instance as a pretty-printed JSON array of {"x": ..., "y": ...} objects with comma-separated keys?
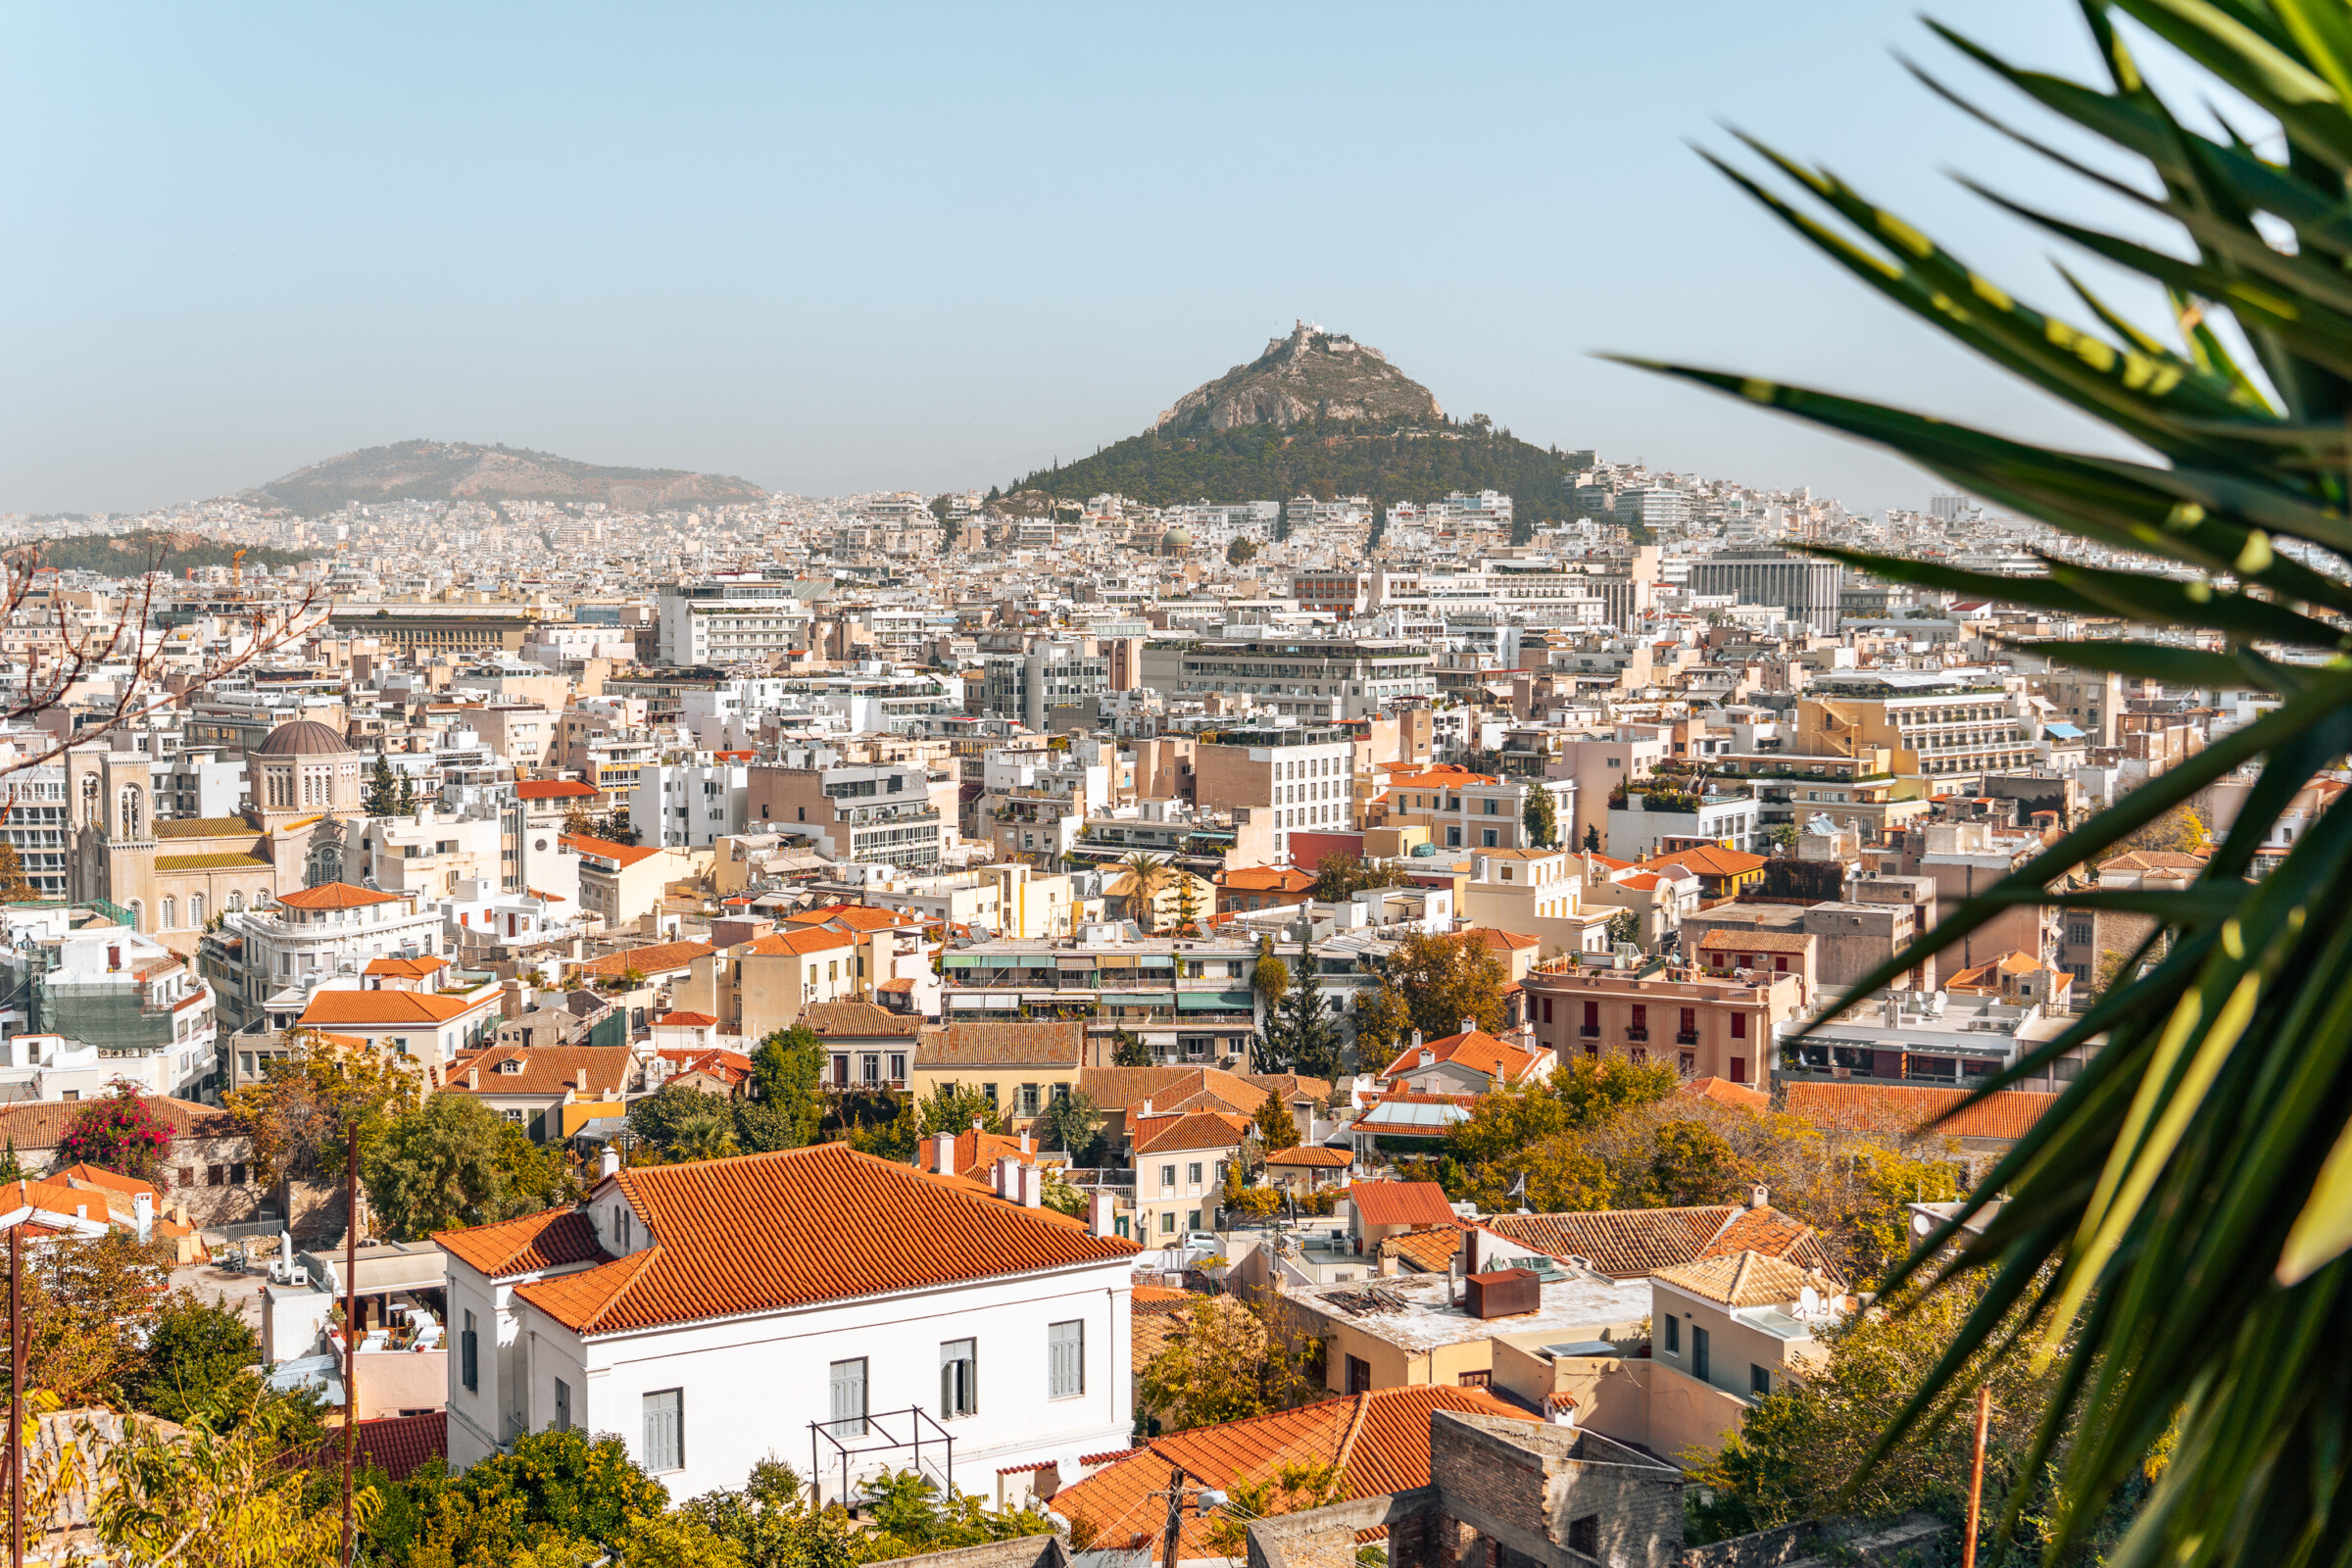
[
  {"x": 452, "y": 471},
  {"x": 1316, "y": 413}
]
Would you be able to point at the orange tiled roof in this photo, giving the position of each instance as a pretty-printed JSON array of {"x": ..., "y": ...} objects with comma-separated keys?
[
  {"x": 1506, "y": 941},
  {"x": 1041, "y": 1042},
  {"x": 387, "y": 1009},
  {"x": 861, "y": 1021},
  {"x": 406, "y": 968},
  {"x": 1739, "y": 1279},
  {"x": 757, "y": 1233},
  {"x": 1902, "y": 1110},
  {"x": 1310, "y": 1155},
  {"x": 1191, "y": 1129},
  {"x": 798, "y": 944},
  {"x": 1708, "y": 859},
  {"x": 1724, "y": 1092},
  {"x": 975, "y": 1151},
  {"x": 1477, "y": 1051},
  {"x": 1756, "y": 941},
  {"x": 606, "y": 850},
  {"x": 1401, "y": 1203},
  {"x": 337, "y": 896},
  {"x": 552, "y": 1238},
  {"x": 542, "y": 1071},
  {"x": 690, "y": 1020},
  {"x": 553, "y": 789},
  {"x": 1636, "y": 1243},
  {"x": 663, "y": 957},
  {"x": 1430, "y": 1250},
  {"x": 1379, "y": 1442},
  {"x": 1266, "y": 879}
]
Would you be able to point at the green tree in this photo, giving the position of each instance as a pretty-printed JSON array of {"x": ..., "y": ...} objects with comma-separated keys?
[
  {"x": 954, "y": 1109},
  {"x": 787, "y": 1105},
  {"x": 1540, "y": 817},
  {"x": 1301, "y": 1032},
  {"x": 2179, "y": 831},
  {"x": 1072, "y": 1123},
  {"x": 437, "y": 1168},
  {"x": 406, "y": 801},
  {"x": 1242, "y": 552},
  {"x": 89, "y": 1308},
  {"x": 119, "y": 1132},
  {"x": 1690, "y": 1165},
  {"x": 1269, "y": 977},
  {"x": 383, "y": 790},
  {"x": 675, "y": 1117},
  {"x": 1188, "y": 903},
  {"x": 614, "y": 827},
  {"x": 1141, "y": 876},
  {"x": 1624, "y": 929},
  {"x": 1276, "y": 1130},
  {"x": 1129, "y": 1050},
  {"x": 1340, "y": 874},
  {"x": 1383, "y": 1021},
  {"x": 706, "y": 1133},
  {"x": 1592, "y": 839},
  {"x": 771, "y": 1524},
  {"x": 1447, "y": 979},
  {"x": 211, "y": 1497},
  {"x": 299, "y": 1117},
  {"x": 198, "y": 1363},
  {"x": 551, "y": 1487},
  {"x": 1230, "y": 1360},
  {"x": 11, "y": 1169},
  {"x": 1591, "y": 1090}
]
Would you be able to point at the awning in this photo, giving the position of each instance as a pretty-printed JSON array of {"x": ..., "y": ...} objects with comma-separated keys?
[
  {"x": 1157, "y": 961},
  {"x": 967, "y": 960},
  {"x": 1082, "y": 960},
  {"x": 1215, "y": 1001},
  {"x": 1138, "y": 999},
  {"x": 1117, "y": 960}
]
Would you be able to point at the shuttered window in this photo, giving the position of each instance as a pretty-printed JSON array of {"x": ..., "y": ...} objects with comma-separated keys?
[
  {"x": 666, "y": 1429},
  {"x": 959, "y": 1378},
  {"x": 1065, "y": 1361},
  {"x": 848, "y": 1398},
  {"x": 470, "y": 1357},
  {"x": 562, "y": 1422}
]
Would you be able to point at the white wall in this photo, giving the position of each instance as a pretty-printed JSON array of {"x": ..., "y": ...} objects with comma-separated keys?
[{"x": 752, "y": 1386}]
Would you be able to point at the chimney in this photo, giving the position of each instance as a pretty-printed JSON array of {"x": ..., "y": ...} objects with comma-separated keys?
[
  {"x": 1100, "y": 1208},
  {"x": 1759, "y": 1197},
  {"x": 473, "y": 1077},
  {"x": 1416, "y": 1040},
  {"x": 142, "y": 1206},
  {"x": 1033, "y": 1187},
  {"x": 943, "y": 1153},
  {"x": 1146, "y": 1111},
  {"x": 1429, "y": 1058},
  {"x": 1008, "y": 1177},
  {"x": 1024, "y": 1142},
  {"x": 1469, "y": 1025},
  {"x": 979, "y": 1125},
  {"x": 608, "y": 1163},
  {"x": 1386, "y": 1266}
]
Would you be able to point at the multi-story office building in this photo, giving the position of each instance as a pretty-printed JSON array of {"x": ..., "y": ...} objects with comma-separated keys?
[
  {"x": 1304, "y": 776},
  {"x": 1806, "y": 588},
  {"x": 1330, "y": 679},
  {"x": 1045, "y": 675},
  {"x": 865, "y": 811},
  {"x": 728, "y": 619},
  {"x": 689, "y": 804}
]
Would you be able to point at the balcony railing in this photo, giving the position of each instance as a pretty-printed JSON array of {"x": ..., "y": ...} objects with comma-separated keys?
[
  {"x": 1637, "y": 1034},
  {"x": 1685, "y": 1037},
  {"x": 1587, "y": 1031}
]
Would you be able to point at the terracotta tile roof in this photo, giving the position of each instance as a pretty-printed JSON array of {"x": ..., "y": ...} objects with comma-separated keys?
[
  {"x": 204, "y": 827},
  {"x": 398, "y": 1444},
  {"x": 858, "y": 1020},
  {"x": 1378, "y": 1440},
  {"x": 1429, "y": 1250},
  {"x": 1756, "y": 941},
  {"x": 385, "y": 1009},
  {"x": 1625, "y": 1243},
  {"x": 42, "y": 1124},
  {"x": 1265, "y": 879},
  {"x": 757, "y": 1233},
  {"x": 1708, "y": 859},
  {"x": 543, "y": 1070},
  {"x": 798, "y": 944},
  {"x": 622, "y": 854},
  {"x": 1191, "y": 1129},
  {"x": 1506, "y": 941},
  {"x": 406, "y": 968},
  {"x": 1307, "y": 1155},
  {"x": 2150, "y": 860},
  {"x": 1477, "y": 1051},
  {"x": 663, "y": 957},
  {"x": 337, "y": 896},
  {"x": 1401, "y": 1203},
  {"x": 210, "y": 863},
  {"x": 1290, "y": 1086},
  {"x": 976, "y": 1151},
  {"x": 1901, "y": 1111},
  {"x": 1040, "y": 1043},
  {"x": 1724, "y": 1092},
  {"x": 1171, "y": 1089},
  {"x": 1741, "y": 1279},
  {"x": 690, "y": 1020},
  {"x": 853, "y": 917},
  {"x": 555, "y": 1238},
  {"x": 553, "y": 789}
]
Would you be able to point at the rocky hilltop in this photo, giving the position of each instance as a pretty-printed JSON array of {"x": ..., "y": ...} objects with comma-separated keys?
[
  {"x": 1312, "y": 375},
  {"x": 444, "y": 470}
]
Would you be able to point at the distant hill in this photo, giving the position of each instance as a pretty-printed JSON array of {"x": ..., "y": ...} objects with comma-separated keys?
[
  {"x": 1316, "y": 413},
  {"x": 445, "y": 470},
  {"x": 151, "y": 550}
]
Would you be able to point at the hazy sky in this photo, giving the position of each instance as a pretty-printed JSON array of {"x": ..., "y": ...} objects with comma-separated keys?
[{"x": 862, "y": 247}]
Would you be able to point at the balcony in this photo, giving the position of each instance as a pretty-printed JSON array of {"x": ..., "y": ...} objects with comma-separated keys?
[
  {"x": 1587, "y": 1031},
  {"x": 1685, "y": 1037},
  {"x": 1637, "y": 1034}
]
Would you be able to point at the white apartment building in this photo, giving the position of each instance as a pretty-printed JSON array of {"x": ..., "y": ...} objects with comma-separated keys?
[
  {"x": 689, "y": 804},
  {"x": 728, "y": 619},
  {"x": 266, "y": 962},
  {"x": 712, "y": 1332},
  {"x": 100, "y": 1004}
]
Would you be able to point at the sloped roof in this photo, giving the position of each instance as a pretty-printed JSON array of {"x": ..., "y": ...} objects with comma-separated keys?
[
  {"x": 1265, "y": 879},
  {"x": 858, "y": 1020},
  {"x": 210, "y": 863},
  {"x": 757, "y": 1233},
  {"x": 1477, "y": 1050},
  {"x": 624, "y": 854},
  {"x": 662, "y": 957},
  {"x": 798, "y": 944},
  {"x": 1750, "y": 941},
  {"x": 1429, "y": 1250},
  {"x": 1401, "y": 1203},
  {"x": 1903, "y": 1111},
  {"x": 1379, "y": 1442},
  {"x": 1043, "y": 1043},
  {"x": 1172, "y": 1088},
  {"x": 1625, "y": 1243},
  {"x": 1739, "y": 1279},
  {"x": 1308, "y": 1154},
  {"x": 1724, "y": 1092},
  {"x": 543, "y": 1069},
  {"x": 42, "y": 1124},
  {"x": 552, "y": 1238},
  {"x": 976, "y": 1149},
  {"x": 204, "y": 827},
  {"x": 337, "y": 896},
  {"x": 553, "y": 789},
  {"x": 690, "y": 1020},
  {"x": 396, "y": 1443},
  {"x": 347, "y": 1009},
  {"x": 1191, "y": 1129},
  {"x": 1707, "y": 860},
  {"x": 406, "y": 968}
]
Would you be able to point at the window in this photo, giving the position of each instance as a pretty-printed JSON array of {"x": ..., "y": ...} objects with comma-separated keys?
[
  {"x": 1167, "y": 1224},
  {"x": 2078, "y": 934},
  {"x": 1474, "y": 1380},
  {"x": 898, "y": 1067},
  {"x": 1167, "y": 1176},
  {"x": 959, "y": 1378},
  {"x": 1584, "y": 1535},
  {"x": 624, "y": 1223},
  {"x": 1738, "y": 1069},
  {"x": 666, "y": 1429},
  {"x": 1698, "y": 1353},
  {"x": 469, "y": 1357},
  {"x": 1486, "y": 838},
  {"x": 848, "y": 1398},
  {"x": 1739, "y": 1026},
  {"x": 1192, "y": 1173},
  {"x": 1065, "y": 1361},
  {"x": 563, "y": 1420},
  {"x": 1674, "y": 1336},
  {"x": 989, "y": 1091},
  {"x": 1029, "y": 1103},
  {"x": 1759, "y": 1381},
  {"x": 1359, "y": 1375}
]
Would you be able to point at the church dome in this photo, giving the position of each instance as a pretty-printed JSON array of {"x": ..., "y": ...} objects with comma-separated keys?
[
  {"x": 303, "y": 737},
  {"x": 1177, "y": 538}
]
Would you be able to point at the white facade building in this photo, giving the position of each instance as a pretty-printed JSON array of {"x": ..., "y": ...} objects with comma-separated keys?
[
  {"x": 690, "y": 805},
  {"x": 724, "y": 1312}
]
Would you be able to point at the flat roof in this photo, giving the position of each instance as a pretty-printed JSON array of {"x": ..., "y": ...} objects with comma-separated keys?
[{"x": 1410, "y": 1310}]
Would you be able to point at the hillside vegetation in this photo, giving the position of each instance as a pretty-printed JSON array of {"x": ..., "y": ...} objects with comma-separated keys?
[{"x": 150, "y": 550}]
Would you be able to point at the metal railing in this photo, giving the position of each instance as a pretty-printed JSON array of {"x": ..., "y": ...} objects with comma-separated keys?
[{"x": 831, "y": 1433}]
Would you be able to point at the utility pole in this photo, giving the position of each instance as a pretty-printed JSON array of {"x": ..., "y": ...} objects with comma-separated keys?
[
  {"x": 1975, "y": 1476},
  {"x": 351, "y": 1327},
  {"x": 15, "y": 1393},
  {"x": 1167, "y": 1543}
]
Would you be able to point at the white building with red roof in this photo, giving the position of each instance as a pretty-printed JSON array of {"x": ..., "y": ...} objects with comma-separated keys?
[{"x": 726, "y": 1311}]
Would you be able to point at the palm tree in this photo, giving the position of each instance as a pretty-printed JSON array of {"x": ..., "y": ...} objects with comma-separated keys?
[
  {"x": 1141, "y": 876},
  {"x": 2175, "y": 1223},
  {"x": 704, "y": 1135}
]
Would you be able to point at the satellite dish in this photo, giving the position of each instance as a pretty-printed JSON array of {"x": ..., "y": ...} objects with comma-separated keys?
[
  {"x": 1809, "y": 1299},
  {"x": 1921, "y": 1224}
]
